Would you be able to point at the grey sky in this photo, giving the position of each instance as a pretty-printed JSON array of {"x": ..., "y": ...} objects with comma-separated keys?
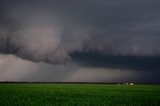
[{"x": 54, "y": 33}]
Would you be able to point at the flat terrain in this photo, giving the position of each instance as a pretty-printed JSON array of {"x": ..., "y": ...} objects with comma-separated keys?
[{"x": 49, "y": 94}]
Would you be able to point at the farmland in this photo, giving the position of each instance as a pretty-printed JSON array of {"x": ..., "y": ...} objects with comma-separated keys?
[{"x": 49, "y": 94}]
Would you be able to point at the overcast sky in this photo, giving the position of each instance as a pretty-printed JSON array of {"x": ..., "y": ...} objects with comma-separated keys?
[{"x": 80, "y": 40}]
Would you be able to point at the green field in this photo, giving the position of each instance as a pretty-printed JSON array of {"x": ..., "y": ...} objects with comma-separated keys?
[{"x": 48, "y": 94}]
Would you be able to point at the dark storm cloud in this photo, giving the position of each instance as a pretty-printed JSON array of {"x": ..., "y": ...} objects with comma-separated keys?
[
  {"x": 97, "y": 59},
  {"x": 51, "y": 30},
  {"x": 125, "y": 33}
]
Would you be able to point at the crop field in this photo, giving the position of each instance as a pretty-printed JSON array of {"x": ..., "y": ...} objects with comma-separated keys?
[{"x": 50, "y": 94}]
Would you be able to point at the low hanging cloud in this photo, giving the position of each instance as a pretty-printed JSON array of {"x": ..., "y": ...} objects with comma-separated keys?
[
  {"x": 51, "y": 30},
  {"x": 93, "y": 34},
  {"x": 38, "y": 36}
]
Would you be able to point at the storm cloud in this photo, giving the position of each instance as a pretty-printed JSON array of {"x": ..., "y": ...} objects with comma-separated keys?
[{"x": 91, "y": 34}]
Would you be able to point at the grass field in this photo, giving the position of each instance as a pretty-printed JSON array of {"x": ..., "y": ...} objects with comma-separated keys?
[{"x": 47, "y": 94}]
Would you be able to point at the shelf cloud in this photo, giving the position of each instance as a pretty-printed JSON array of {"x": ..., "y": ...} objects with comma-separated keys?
[{"x": 91, "y": 34}]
